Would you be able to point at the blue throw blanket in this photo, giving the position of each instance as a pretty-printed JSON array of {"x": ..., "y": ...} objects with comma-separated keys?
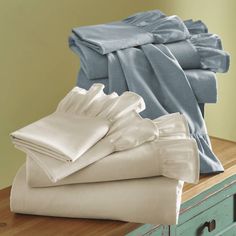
[{"x": 142, "y": 54}]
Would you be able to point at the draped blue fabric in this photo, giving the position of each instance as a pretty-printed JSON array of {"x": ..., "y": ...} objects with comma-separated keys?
[{"x": 156, "y": 56}]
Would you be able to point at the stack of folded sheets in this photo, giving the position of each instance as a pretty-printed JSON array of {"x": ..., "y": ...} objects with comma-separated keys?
[
  {"x": 121, "y": 145},
  {"x": 169, "y": 62},
  {"x": 96, "y": 157}
]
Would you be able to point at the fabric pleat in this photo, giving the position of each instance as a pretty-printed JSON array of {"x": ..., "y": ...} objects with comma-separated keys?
[{"x": 196, "y": 27}]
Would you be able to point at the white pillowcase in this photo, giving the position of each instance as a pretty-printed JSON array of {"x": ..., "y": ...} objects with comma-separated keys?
[
  {"x": 126, "y": 133},
  {"x": 173, "y": 155},
  {"x": 82, "y": 118}
]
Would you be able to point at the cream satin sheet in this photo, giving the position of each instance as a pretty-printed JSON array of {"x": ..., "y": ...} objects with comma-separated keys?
[
  {"x": 133, "y": 172},
  {"x": 173, "y": 155},
  {"x": 150, "y": 200}
]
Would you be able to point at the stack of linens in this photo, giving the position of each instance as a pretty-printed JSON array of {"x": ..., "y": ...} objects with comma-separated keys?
[{"x": 96, "y": 157}]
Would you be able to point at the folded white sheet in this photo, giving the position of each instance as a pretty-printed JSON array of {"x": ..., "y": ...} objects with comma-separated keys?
[
  {"x": 152, "y": 200},
  {"x": 82, "y": 118},
  {"x": 176, "y": 159},
  {"x": 126, "y": 133},
  {"x": 169, "y": 127}
]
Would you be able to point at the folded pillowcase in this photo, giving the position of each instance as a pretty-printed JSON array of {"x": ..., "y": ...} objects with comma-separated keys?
[
  {"x": 211, "y": 53},
  {"x": 61, "y": 136},
  {"x": 151, "y": 200},
  {"x": 202, "y": 51},
  {"x": 126, "y": 132},
  {"x": 82, "y": 119},
  {"x": 136, "y": 30},
  {"x": 176, "y": 159},
  {"x": 165, "y": 29},
  {"x": 209, "y": 47},
  {"x": 173, "y": 155}
]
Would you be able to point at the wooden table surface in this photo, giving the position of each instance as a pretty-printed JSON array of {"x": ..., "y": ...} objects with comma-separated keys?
[{"x": 27, "y": 225}]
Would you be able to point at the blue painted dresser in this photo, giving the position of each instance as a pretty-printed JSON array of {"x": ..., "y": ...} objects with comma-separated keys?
[{"x": 208, "y": 208}]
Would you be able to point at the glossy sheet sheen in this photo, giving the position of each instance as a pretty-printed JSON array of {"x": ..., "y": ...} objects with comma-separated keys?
[
  {"x": 149, "y": 200},
  {"x": 173, "y": 154}
]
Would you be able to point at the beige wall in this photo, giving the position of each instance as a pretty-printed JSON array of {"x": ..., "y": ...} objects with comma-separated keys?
[{"x": 37, "y": 68}]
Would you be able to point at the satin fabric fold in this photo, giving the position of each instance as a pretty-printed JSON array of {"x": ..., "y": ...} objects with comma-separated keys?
[
  {"x": 173, "y": 155},
  {"x": 45, "y": 139},
  {"x": 170, "y": 127},
  {"x": 82, "y": 119},
  {"x": 152, "y": 200},
  {"x": 174, "y": 159}
]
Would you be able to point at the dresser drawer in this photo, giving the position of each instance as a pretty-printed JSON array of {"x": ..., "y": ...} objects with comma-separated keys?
[{"x": 211, "y": 222}]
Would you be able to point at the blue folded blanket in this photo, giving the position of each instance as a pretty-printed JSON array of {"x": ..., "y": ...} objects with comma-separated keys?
[{"x": 130, "y": 55}]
